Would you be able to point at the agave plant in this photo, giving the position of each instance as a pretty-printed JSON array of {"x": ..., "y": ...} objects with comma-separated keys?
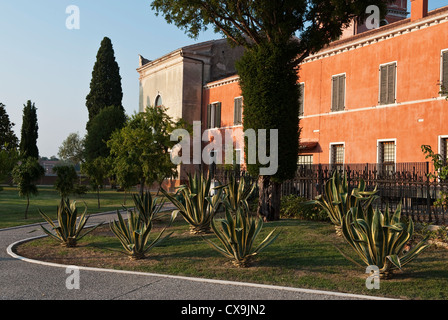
[
  {"x": 237, "y": 233},
  {"x": 134, "y": 234},
  {"x": 197, "y": 206},
  {"x": 336, "y": 200},
  {"x": 236, "y": 194},
  {"x": 380, "y": 238},
  {"x": 68, "y": 232},
  {"x": 147, "y": 206}
]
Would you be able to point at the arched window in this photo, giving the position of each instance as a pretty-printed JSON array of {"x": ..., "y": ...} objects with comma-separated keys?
[{"x": 158, "y": 101}]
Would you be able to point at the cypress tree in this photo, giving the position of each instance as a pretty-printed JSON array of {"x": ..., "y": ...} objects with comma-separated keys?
[
  {"x": 8, "y": 139},
  {"x": 29, "y": 133},
  {"x": 105, "y": 86},
  {"x": 268, "y": 82},
  {"x": 101, "y": 128}
]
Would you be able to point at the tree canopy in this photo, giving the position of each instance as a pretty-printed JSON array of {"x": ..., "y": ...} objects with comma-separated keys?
[
  {"x": 8, "y": 139},
  {"x": 105, "y": 86},
  {"x": 140, "y": 150},
  {"x": 72, "y": 149},
  {"x": 101, "y": 128},
  {"x": 29, "y": 133},
  {"x": 251, "y": 22}
]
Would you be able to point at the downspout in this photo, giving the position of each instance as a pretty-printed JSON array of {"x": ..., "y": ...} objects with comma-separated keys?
[{"x": 182, "y": 54}]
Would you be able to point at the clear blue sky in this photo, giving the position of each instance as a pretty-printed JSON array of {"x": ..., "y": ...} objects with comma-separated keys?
[{"x": 42, "y": 61}]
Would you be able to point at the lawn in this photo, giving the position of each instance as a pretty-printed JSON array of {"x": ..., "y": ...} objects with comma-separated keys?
[
  {"x": 12, "y": 206},
  {"x": 304, "y": 256}
]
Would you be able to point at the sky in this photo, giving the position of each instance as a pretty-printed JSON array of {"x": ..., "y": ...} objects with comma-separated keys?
[{"x": 43, "y": 61}]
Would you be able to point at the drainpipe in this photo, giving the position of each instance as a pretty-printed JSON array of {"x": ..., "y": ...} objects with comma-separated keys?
[{"x": 182, "y": 54}]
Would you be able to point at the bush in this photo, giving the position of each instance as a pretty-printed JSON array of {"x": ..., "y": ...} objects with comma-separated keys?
[{"x": 295, "y": 207}]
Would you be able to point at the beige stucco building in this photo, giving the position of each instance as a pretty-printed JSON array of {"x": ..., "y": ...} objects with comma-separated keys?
[{"x": 176, "y": 80}]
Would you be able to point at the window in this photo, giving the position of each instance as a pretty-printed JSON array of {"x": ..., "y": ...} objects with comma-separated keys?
[
  {"x": 386, "y": 157},
  {"x": 444, "y": 73},
  {"x": 304, "y": 162},
  {"x": 338, "y": 93},
  {"x": 337, "y": 151},
  {"x": 238, "y": 111},
  {"x": 443, "y": 147},
  {"x": 388, "y": 77},
  {"x": 214, "y": 115},
  {"x": 301, "y": 99},
  {"x": 158, "y": 101}
]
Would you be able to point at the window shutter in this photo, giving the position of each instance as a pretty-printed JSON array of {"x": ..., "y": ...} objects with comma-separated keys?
[
  {"x": 445, "y": 70},
  {"x": 301, "y": 98},
  {"x": 383, "y": 85},
  {"x": 334, "y": 103},
  {"x": 391, "y": 71},
  {"x": 218, "y": 115},
  {"x": 209, "y": 116},
  {"x": 238, "y": 109},
  {"x": 235, "y": 112},
  {"x": 341, "y": 93}
]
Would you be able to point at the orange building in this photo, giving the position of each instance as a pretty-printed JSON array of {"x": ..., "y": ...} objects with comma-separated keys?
[{"x": 370, "y": 97}]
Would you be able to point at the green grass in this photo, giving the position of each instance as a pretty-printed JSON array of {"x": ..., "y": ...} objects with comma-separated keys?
[
  {"x": 12, "y": 206},
  {"x": 304, "y": 256}
]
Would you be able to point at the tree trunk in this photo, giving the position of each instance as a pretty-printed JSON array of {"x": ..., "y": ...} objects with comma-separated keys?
[
  {"x": 27, "y": 206},
  {"x": 142, "y": 187},
  {"x": 269, "y": 199},
  {"x": 98, "y": 196}
]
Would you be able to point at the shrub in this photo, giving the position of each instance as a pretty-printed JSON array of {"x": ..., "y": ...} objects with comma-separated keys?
[
  {"x": 134, "y": 234},
  {"x": 197, "y": 206},
  {"x": 381, "y": 239},
  {"x": 238, "y": 230},
  {"x": 296, "y": 207},
  {"x": 68, "y": 233}
]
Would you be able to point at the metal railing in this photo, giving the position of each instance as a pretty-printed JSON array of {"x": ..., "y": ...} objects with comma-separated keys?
[{"x": 410, "y": 184}]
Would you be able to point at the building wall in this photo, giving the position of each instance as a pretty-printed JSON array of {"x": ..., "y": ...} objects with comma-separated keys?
[
  {"x": 417, "y": 117},
  {"x": 224, "y": 91}
]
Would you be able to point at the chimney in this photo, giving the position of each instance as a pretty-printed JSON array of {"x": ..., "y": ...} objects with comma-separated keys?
[{"x": 419, "y": 9}]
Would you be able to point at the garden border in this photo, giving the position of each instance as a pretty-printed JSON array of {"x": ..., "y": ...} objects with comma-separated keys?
[{"x": 10, "y": 251}]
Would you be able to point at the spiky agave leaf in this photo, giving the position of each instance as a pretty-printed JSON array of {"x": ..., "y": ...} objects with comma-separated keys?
[
  {"x": 67, "y": 232},
  {"x": 379, "y": 238},
  {"x": 237, "y": 233}
]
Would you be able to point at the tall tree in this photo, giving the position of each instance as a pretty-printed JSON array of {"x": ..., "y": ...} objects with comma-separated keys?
[
  {"x": 8, "y": 139},
  {"x": 29, "y": 133},
  {"x": 268, "y": 29},
  {"x": 25, "y": 175},
  {"x": 105, "y": 86},
  {"x": 108, "y": 120},
  {"x": 72, "y": 149},
  {"x": 140, "y": 150}
]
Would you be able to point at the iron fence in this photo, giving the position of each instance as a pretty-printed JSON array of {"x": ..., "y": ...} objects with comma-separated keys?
[{"x": 411, "y": 184}]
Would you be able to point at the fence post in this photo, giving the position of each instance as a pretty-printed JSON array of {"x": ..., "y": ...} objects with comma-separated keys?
[
  {"x": 320, "y": 178},
  {"x": 428, "y": 193}
]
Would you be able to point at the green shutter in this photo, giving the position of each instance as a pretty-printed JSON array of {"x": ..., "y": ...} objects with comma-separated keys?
[
  {"x": 391, "y": 74},
  {"x": 301, "y": 98},
  {"x": 445, "y": 70},
  {"x": 334, "y": 102},
  {"x": 341, "y": 94},
  {"x": 209, "y": 116},
  {"x": 383, "y": 85},
  {"x": 218, "y": 115}
]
